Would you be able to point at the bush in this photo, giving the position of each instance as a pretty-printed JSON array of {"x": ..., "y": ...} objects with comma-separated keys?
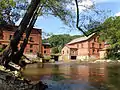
[
  {"x": 113, "y": 52},
  {"x": 46, "y": 58},
  {"x": 1, "y": 49}
]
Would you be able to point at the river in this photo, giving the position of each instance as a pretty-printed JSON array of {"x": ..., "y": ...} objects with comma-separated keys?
[{"x": 76, "y": 76}]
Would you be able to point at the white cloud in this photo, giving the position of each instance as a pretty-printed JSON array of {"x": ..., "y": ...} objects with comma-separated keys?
[
  {"x": 82, "y": 5},
  {"x": 117, "y": 14},
  {"x": 85, "y": 4}
]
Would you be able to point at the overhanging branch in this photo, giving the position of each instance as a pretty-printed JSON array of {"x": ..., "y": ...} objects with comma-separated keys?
[{"x": 77, "y": 23}]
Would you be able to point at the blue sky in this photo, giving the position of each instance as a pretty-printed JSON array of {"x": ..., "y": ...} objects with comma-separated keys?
[{"x": 50, "y": 24}]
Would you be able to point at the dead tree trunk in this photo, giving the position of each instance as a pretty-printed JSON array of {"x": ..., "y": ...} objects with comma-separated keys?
[{"x": 11, "y": 53}]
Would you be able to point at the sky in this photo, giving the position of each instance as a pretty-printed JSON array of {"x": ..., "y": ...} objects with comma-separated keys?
[{"x": 51, "y": 24}]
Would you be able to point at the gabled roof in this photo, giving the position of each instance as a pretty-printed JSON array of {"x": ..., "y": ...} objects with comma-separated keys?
[
  {"x": 81, "y": 39},
  {"x": 71, "y": 47}
]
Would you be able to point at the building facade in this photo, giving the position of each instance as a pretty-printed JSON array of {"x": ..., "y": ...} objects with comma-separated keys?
[
  {"x": 46, "y": 49},
  {"x": 83, "y": 48},
  {"x": 35, "y": 40}
]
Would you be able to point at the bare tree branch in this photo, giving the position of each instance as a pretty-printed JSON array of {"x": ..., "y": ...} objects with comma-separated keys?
[{"x": 77, "y": 23}]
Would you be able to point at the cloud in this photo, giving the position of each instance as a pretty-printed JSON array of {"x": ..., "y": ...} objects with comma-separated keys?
[
  {"x": 82, "y": 5},
  {"x": 117, "y": 14},
  {"x": 85, "y": 4}
]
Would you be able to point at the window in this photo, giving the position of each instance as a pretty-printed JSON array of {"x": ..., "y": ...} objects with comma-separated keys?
[
  {"x": 77, "y": 45},
  {"x": 31, "y": 51},
  {"x": 98, "y": 51},
  {"x": 81, "y": 45},
  {"x": 31, "y": 45},
  {"x": 100, "y": 46},
  {"x": 93, "y": 51},
  {"x": 31, "y": 39},
  {"x": 45, "y": 51},
  {"x": 92, "y": 44},
  {"x": 10, "y": 37},
  {"x": 94, "y": 39},
  {"x": 67, "y": 51},
  {"x": 63, "y": 52},
  {"x": 45, "y": 46}
]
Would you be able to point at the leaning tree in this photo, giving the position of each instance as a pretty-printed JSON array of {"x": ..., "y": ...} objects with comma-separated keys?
[
  {"x": 58, "y": 8},
  {"x": 36, "y": 7}
]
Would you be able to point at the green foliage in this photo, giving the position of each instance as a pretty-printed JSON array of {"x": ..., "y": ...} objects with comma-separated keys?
[
  {"x": 59, "y": 8},
  {"x": 114, "y": 52},
  {"x": 10, "y": 10},
  {"x": 57, "y": 42},
  {"x": 110, "y": 32},
  {"x": 1, "y": 49},
  {"x": 55, "y": 50},
  {"x": 5, "y": 8},
  {"x": 46, "y": 58}
]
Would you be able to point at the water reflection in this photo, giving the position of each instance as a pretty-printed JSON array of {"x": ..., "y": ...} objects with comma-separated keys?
[{"x": 73, "y": 76}]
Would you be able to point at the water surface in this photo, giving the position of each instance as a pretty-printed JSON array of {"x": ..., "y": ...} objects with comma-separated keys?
[{"x": 76, "y": 76}]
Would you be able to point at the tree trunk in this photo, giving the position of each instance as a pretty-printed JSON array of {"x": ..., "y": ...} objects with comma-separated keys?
[
  {"x": 11, "y": 53},
  {"x": 19, "y": 53}
]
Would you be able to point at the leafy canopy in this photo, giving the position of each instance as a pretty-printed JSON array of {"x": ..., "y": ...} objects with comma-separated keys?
[
  {"x": 57, "y": 42},
  {"x": 10, "y": 10},
  {"x": 110, "y": 32}
]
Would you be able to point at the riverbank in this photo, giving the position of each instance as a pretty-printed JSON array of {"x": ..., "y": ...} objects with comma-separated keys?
[
  {"x": 85, "y": 61},
  {"x": 10, "y": 80}
]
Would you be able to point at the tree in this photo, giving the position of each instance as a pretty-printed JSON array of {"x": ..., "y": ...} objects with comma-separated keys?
[
  {"x": 58, "y": 8},
  {"x": 110, "y": 32},
  {"x": 37, "y": 7},
  {"x": 58, "y": 41},
  {"x": 10, "y": 11}
]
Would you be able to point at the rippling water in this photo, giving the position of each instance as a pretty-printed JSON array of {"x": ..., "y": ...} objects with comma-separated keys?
[{"x": 74, "y": 76}]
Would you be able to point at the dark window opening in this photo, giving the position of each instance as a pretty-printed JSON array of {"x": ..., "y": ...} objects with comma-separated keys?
[
  {"x": 63, "y": 52},
  {"x": 100, "y": 45},
  {"x": 98, "y": 51},
  {"x": 73, "y": 57},
  {"x": 92, "y": 44},
  {"x": 45, "y": 51},
  {"x": 10, "y": 37},
  {"x": 45, "y": 46},
  {"x": 31, "y": 51},
  {"x": 31, "y": 45},
  {"x": 93, "y": 51},
  {"x": 67, "y": 51},
  {"x": 94, "y": 39}
]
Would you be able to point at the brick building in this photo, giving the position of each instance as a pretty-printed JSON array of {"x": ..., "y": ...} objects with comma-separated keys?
[
  {"x": 83, "y": 48},
  {"x": 46, "y": 49},
  {"x": 34, "y": 44}
]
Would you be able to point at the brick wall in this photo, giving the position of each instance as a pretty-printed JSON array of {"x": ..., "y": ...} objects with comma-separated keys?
[{"x": 34, "y": 44}]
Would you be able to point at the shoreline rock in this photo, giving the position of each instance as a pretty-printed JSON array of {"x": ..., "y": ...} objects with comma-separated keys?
[{"x": 10, "y": 82}]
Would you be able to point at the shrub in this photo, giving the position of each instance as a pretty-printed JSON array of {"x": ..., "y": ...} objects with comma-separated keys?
[{"x": 46, "y": 58}]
